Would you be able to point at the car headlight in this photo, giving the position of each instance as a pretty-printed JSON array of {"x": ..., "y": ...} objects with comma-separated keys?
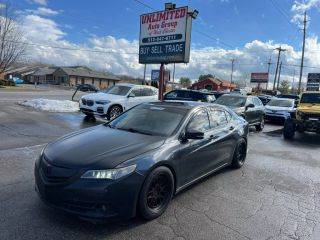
[
  {"x": 109, "y": 173},
  {"x": 103, "y": 102}
]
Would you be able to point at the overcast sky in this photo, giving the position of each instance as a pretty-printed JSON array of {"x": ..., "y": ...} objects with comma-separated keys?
[{"x": 246, "y": 30}]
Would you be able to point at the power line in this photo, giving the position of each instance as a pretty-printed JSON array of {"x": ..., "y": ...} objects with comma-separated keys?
[
  {"x": 68, "y": 48},
  {"x": 283, "y": 13}
]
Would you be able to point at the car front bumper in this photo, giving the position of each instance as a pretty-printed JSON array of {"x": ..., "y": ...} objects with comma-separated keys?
[
  {"x": 96, "y": 109},
  {"x": 308, "y": 125},
  {"x": 91, "y": 198}
]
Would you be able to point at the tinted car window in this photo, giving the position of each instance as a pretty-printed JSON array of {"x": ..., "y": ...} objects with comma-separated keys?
[
  {"x": 257, "y": 101},
  {"x": 231, "y": 101},
  {"x": 210, "y": 98},
  {"x": 174, "y": 95},
  {"x": 218, "y": 117},
  {"x": 221, "y": 117},
  {"x": 199, "y": 122},
  {"x": 145, "y": 91},
  {"x": 249, "y": 101},
  {"x": 137, "y": 92}
]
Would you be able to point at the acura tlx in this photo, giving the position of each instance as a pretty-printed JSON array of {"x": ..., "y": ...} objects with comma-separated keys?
[{"x": 140, "y": 160}]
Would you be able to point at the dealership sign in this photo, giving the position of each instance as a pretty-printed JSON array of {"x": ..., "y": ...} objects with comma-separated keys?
[
  {"x": 165, "y": 36},
  {"x": 155, "y": 75},
  {"x": 313, "y": 82},
  {"x": 259, "y": 77}
]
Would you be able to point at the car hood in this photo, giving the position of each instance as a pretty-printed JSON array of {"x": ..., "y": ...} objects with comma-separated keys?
[
  {"x": 99, "y": 147},
  {"x": 309, "y": 108},
  {"x": 276, "y": 108},
  {"x": 103, "y": 96}
]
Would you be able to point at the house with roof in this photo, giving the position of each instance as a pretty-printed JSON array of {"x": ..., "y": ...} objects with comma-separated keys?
[
  {"x": 73, "y": 76},
  {"x": 214, "y": 84},
  {"x": 44, "y": 75}
]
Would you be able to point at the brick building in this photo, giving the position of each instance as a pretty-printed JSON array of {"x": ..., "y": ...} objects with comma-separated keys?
[{"x": 213, "y": 84}]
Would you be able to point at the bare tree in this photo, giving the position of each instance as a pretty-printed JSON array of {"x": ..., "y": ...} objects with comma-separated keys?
[{"x": 12, "y": 47}]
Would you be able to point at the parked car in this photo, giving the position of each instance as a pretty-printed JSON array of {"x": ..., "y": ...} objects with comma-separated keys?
[
  {"x": 87, "y": 88},
  {"x": 264, "y": 99},
  {"x": 138, "y": 161},
  {"x": 190, "y": 95},
  {"x": 280, "y": 108},
  {"x": 307, "y": 117},
  {"x": 116, "y": 99},
  {"x": 248, "y": 107}
]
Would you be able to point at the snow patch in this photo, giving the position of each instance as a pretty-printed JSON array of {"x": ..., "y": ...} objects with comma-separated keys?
[{"x": 49, "y": 105}]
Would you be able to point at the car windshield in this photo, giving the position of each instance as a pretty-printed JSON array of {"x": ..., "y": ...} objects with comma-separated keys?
[
  {"x": 150, "y": 119},
  {"x": 280, "y": 103},
  {"x": 310, "y": 98},
  {"x": 231, "y": 101},
  {"x": 118, "y": 90}
]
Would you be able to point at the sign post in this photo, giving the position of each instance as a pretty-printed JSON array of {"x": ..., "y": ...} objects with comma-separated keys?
[{"x": 165, "y": 38}]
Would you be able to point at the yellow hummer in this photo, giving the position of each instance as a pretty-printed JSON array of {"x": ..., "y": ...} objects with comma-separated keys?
[{"x": 307, "y": 117}]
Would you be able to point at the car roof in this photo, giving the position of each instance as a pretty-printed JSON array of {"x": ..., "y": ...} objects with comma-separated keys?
[
  {"x": 131, "y": 85},
  {"x": 185, "y": 104}
]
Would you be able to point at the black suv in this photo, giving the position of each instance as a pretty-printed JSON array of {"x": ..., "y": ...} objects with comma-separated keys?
[
  {"x": 190, "y": 95},
  {"x": 249, "y": 107},
  {"x": 87, "y": 88}
]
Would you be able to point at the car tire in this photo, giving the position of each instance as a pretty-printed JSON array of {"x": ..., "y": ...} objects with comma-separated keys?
[
  {"x": 156, "y": 193},
  {"x": 260, "y": 126},
  {"x": 240, "y": 154},
  {"x": 114, "y": 111},
  {"x": 289, "y": 129}
]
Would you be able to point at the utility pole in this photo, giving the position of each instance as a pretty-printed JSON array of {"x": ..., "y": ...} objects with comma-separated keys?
[
  {"x": 232, "y": 65},
  {"x": 292, "y": 86},
  {"x": 269, "y": 64},
  {"x": 144, "y": 74},
  {"x": 174, "y": 71},
  {"x": 303, "y": 46},
  {"x": 279, "y": 49},
  {"x": 279, "y": 75}
]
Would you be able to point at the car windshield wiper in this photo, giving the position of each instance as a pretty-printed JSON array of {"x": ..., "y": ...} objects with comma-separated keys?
[{"x": 134, "y": 131}]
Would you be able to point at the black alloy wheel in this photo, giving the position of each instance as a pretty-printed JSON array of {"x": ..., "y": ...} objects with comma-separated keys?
[
  {"x": 156, "y": 193},
  {"x": 114, "y": 112},
  {"x": 260, "y": 126},
  {"x": 240, "y": 154}
]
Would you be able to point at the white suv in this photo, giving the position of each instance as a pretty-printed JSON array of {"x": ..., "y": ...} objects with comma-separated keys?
[{"x": 116, "y": 99}]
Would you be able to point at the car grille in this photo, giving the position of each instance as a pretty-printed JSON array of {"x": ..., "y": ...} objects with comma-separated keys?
[
  {"x": 54, "y": 174},
  {"x": 90, "y": 103},
  {"x": 84, "y": 101},
  {"x": 310, "y": 115}
]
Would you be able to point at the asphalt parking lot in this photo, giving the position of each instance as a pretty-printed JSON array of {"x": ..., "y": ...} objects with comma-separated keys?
[{"x": 276, "y": 195}]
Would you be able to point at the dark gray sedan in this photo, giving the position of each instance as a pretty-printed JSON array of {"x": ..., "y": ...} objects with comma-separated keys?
[
  {"x": 248, "y": 107},
  {"x": 140, "y": 160}
]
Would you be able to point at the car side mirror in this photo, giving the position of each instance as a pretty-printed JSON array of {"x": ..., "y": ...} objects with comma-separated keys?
[
  {"x": 193, "y": 134},
  {"x": 250, "y": 105},
  {"x": 131, "y": 95}
]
